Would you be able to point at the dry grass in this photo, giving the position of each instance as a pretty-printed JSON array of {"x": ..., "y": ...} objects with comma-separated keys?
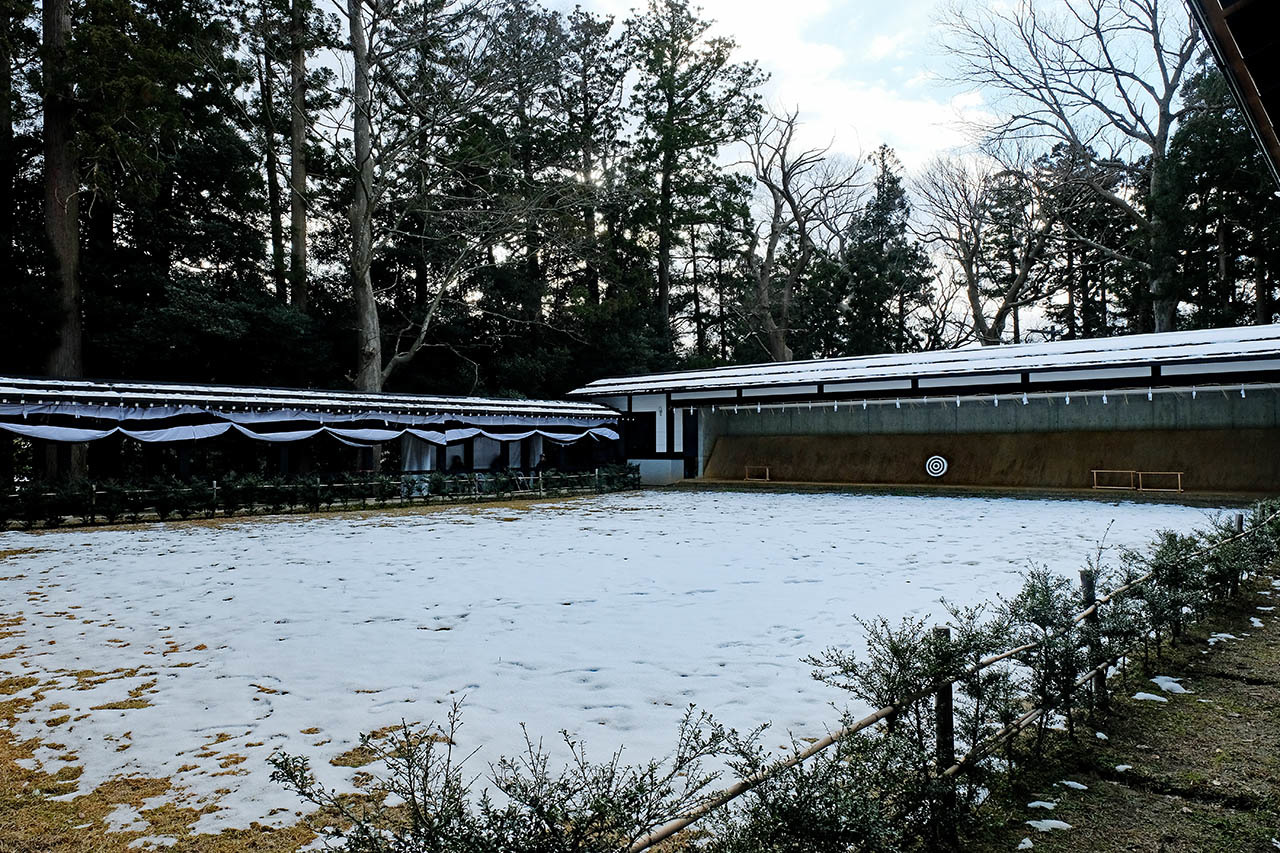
[{"x": 31, "y": 821}]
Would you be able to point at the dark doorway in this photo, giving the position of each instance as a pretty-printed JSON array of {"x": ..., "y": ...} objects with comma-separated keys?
[{"x": 690, "y": 443}]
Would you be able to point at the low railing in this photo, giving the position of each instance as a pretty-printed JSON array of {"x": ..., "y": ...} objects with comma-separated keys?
[
  {"x": 92, "y": 502},
  {"x": 1135, "y": 481},
  {"x": 946, "y": 763}
]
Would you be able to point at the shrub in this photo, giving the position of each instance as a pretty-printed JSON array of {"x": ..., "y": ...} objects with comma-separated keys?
[
  {"x": 34, "y": 505},
  {"x": 109, "y": 501},
  {"x": 424, "y": 802},
  {"x": 166, "y": 496},
  {"x": 76, "y": 497}
]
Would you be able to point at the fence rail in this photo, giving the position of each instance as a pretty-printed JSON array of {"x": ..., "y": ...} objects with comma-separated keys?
[
  {"x": 248, "y": 495},
  {"x": 947, "y": 766}
]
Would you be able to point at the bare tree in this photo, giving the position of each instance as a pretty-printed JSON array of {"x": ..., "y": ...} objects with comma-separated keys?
[
  {"x": 1102, "y": 78},
  {"x": 994, "y": 223},
  {"x": 805, "y": 193}
]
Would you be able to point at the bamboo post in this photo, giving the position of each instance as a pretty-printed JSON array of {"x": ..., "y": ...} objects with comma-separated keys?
[
  {"x": 945, "y": 730},
  {"x": 1089, "y": 590}
]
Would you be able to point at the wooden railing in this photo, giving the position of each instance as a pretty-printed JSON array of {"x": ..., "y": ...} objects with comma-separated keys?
[{"x": 1137, "y": 481}]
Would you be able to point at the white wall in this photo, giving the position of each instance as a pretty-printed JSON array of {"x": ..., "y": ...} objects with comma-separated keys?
[{"x": 660, "y": 472}]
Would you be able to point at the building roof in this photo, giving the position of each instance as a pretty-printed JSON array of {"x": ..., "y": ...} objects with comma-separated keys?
[
  {"x": 1169, "y": 358},
  {"x": 23, "y": 390},
  {"x": 1245, "y": 38}
]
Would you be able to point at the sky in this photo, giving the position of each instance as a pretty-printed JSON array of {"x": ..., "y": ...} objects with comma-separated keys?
[{"x": 860, "y": 72}]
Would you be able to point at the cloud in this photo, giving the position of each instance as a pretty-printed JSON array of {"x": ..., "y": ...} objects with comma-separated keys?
[{"x": 858, "y": 71}]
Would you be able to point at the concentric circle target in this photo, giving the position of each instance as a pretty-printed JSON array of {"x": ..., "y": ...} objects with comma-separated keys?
[{"x": 936, "y": 466}]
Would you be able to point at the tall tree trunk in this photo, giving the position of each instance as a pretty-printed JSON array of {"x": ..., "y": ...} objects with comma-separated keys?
[
  {"x": 1161, "y": 281},
  {"x": 1072, "y": 287},
  {"x": 666, "y": 214},
  {"x": 532, "y": 237},
  {"x": 721, "y": 314},
  {"x": 1225, "y": 285},
  {"x": 368, "y": 330},
  {"x": 61, "y": 187},
  {"x": 699, "y": 324},
  {"x": 8, "y": 153},
  {"x": 298, "y": 157},
  {"x": 591, "y": 269},
  {"x": 274, "y": 209},
  {"x": 1262, "y": 306}
]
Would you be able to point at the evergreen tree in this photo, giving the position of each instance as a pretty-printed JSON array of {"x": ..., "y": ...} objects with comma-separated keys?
[
  {"x": 691, "y": 99},
  {"x": 886, "y": 273}
]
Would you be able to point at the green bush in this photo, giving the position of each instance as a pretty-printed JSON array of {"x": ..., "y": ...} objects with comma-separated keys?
[
  {"x": 166, "y": 496},
  {"x": 424, "y": 800},
  {"x": 76, "y": 498}
]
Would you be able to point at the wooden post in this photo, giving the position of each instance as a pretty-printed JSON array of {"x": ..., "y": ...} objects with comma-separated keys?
[
  {"x": 1239, "y": 523},
  {"x": 1089, "y": 595},
  {"x": 945, "y": 732}
]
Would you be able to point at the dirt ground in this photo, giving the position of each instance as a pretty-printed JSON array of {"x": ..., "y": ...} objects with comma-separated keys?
[{"x": 1203, "y": 768}]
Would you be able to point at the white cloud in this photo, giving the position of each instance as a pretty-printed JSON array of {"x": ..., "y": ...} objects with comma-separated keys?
[{"x": 858, "y": 71}]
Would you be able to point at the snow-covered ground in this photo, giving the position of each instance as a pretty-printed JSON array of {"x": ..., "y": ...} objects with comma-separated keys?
[{"x": 604, "y": 616}]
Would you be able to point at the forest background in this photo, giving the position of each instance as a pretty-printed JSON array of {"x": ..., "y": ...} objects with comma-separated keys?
[{"x": 497, "y": 197}]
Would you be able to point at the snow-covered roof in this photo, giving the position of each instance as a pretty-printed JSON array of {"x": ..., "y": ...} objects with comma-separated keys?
[
  {"x": 1169, "y": 358},
  {"x": 21, "y": 390}
]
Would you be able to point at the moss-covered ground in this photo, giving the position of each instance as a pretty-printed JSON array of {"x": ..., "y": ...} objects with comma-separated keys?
[{"x": 1198, "y": 772}]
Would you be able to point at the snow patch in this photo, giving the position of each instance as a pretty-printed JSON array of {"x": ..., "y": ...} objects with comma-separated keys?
[
  {"x": 125, "y": 818},
  {"x": 1100, "y": 736},
  {"x": 1120, "y": 768},
  {"x": 1169, "y": 684},
  {"x": 1149, "y": 697},
  {"x": 1024, "y": 844},
  {"x": 1048, "y": 825},
  {"x": 1042, "y": 804},
  {"x": 1219, "y": 637},
  {"x": 1075, "y": 786},
  {"x": 1255, "y": 621}
]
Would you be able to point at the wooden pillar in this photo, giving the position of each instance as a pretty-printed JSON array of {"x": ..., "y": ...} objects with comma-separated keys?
[{"x": 1089, "y": 597}]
